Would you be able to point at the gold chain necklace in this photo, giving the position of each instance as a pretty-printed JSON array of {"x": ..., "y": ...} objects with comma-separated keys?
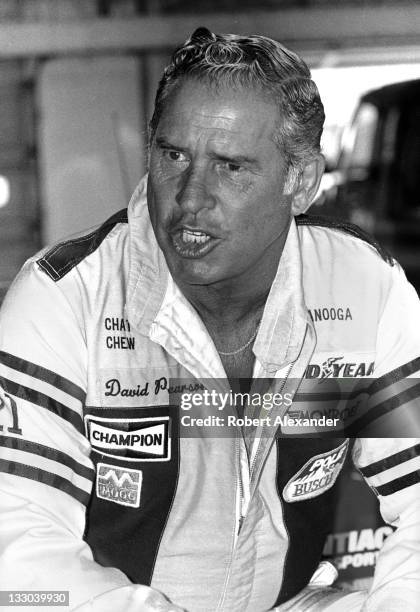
[{"x": 241, "y": 348}]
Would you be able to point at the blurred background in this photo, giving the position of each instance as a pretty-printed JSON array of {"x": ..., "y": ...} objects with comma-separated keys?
[{"x": 77, "y": 85}]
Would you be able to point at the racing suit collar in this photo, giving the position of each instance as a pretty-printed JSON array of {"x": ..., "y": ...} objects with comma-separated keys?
[
  {"x": 148, "y": 273},
  {"x": 285, "y": 317}
]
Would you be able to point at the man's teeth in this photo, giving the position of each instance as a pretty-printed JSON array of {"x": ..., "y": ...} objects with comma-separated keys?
[{"x": 194, "y": 237}]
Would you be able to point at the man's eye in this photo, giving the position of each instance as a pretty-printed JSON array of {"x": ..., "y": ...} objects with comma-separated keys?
[
  {"x": 175, "y": 156},
  {"x": 234, "y": 168}
]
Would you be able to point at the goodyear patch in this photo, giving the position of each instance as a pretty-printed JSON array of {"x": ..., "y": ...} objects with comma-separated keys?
[
  {"x": 119, "y": 485},
  {"x": 130, "y": 439},
  {"x": 316, "y": 476}
]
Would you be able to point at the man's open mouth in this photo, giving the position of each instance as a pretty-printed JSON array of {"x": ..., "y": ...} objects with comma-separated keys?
[{"x": 193, "y": 243}]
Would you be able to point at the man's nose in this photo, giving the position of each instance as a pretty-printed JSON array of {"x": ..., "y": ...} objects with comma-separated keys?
[{"x": 195, "y": 191}]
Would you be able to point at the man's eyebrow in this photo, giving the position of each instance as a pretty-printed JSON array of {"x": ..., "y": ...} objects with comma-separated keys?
[
  {"x": 161, "y": 141},
  {"x": 235, "y": 159}
]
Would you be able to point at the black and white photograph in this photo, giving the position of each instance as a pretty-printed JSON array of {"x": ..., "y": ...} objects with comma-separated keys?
[{"x": 209, "y": 305}]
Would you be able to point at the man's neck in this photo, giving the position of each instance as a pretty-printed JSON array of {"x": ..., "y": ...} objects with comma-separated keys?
[
  {"x": 226, "y": 305},
  {"x": 232, "y": 301}
]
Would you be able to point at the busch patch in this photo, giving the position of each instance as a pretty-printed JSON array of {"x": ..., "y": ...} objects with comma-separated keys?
[
  {"x": 317, "y": 475},
  {"x": 130, "y": 439},
  {"x": 119, "y": 485}
]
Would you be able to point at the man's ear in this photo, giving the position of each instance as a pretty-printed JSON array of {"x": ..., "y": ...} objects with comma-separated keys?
[{"x": 307, "y": 185}]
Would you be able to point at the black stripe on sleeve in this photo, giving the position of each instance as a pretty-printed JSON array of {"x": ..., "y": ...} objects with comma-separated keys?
[
  {"x": 48, "y": 376},
  {"x": 389, "y": 462},
  {"x": 40, "y": 399},
  {"x": 378, "y": 411},
  {"x": 48, "y": 453},
  {"x": 399, "y": 484},
  {"x": 47, "y": 478},
  {"x": 63, "y": 257},
  {"x": 395, "y": 375}
]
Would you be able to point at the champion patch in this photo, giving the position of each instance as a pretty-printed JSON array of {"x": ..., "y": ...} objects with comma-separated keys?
[
  {"x": 119, "y": 485},
  {"x": 138, "y": 439},
  {"x": 317, "y": 475}
]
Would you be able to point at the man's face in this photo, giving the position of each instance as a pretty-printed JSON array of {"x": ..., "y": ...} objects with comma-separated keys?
[{"x": 216, "y": 185}]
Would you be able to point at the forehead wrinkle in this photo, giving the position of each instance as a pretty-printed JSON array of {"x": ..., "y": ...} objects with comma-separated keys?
[
  {"x": 214, "y": 128},
  {"x": 229, "y": 129},
  {"x": 212, "y": 122}
]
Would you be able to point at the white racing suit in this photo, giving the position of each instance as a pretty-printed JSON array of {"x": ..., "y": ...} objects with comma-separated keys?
[{"x": 107, "y": 491}]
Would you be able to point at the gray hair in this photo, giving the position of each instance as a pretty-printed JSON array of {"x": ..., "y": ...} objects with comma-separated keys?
[{"x": 258, "y": 62}]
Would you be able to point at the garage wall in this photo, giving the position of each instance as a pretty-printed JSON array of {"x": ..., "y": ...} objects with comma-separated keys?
[
  {"x": 19, "y": 216},
  {"x": 92, "y": 140}
]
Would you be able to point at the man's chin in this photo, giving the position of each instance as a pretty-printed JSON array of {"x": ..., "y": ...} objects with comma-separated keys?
[{"x": 195, "y": 272}]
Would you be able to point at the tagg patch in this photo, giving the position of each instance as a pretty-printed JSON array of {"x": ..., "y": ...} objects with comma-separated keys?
[
  {"x": 139, "y": 439},
  {"x": 119, "y": 485},
  {"x": 317, "y": 475}
]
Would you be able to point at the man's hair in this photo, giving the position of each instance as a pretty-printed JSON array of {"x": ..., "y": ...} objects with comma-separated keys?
[{"x": 258, "y": 62}]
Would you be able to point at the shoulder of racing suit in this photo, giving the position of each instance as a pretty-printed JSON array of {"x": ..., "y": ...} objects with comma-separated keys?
[
  {"x": 345, "y": 227},
  {"x": 62, "y": 257}
]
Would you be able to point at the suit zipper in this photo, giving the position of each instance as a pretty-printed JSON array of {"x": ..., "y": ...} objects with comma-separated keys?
[
  {"x": 258, "y": 450},
  {"x": 241, "y": 487},
  {"x": 252, "y": 464}
]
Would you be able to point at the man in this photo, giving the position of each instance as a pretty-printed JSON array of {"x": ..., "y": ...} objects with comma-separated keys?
[{"x": 209, "y": 283}]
